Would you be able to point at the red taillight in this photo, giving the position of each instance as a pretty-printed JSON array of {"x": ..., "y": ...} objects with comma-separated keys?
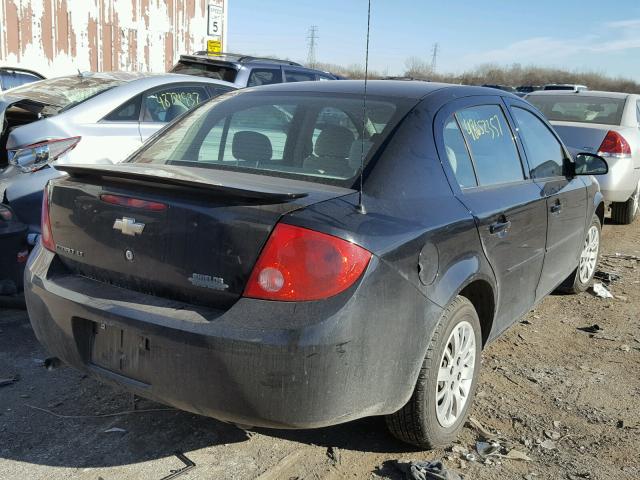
[
  {"x": 133, "y": 203},
  {"x": 45, "y": 224},
  {"x": 614, "y": 144},
  {"x": 299, "y": 264}
]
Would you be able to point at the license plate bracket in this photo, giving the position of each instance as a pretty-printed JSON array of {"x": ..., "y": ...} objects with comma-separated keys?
[{"x": 121, "y": 351}]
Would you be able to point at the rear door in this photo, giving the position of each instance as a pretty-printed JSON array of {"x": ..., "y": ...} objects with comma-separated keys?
[
  {"x": 164, "y": 104},
  {"x": 484, "y": 165},
  {"x": 565, "y": 196}
]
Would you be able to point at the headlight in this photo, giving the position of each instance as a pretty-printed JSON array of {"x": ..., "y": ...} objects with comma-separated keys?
[{"x": 36, "y": 156}]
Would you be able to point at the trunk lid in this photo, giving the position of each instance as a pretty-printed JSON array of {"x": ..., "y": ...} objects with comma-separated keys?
[
  {"x": 196, "y": 243},
  {"x": 581, "y": 137}
]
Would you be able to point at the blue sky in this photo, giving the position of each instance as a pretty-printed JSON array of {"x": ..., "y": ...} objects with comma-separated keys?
[{"x": 574, "y": 34}]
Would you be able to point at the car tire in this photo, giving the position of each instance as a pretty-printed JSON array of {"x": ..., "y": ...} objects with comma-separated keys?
[
  {"x": 581, "y": 277},
  {"x": 423, "y": 421},
  {"x": 624, "y": 213}
]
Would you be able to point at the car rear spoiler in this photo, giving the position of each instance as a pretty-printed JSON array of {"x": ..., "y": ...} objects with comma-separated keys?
[{"x": 222, "y": 182}]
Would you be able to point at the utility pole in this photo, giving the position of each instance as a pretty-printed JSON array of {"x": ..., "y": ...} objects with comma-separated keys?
[
  {"x": 434, "y": 57},
  {"x": 311, "y": 41}
]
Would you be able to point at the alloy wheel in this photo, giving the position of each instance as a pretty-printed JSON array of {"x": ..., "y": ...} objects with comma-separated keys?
[
  {"x": 589, "y": 255},
  {"x": 455, "y": 375}
]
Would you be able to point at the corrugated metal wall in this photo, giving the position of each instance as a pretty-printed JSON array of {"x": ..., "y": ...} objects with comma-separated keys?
[{"x": 58, "y": 37}]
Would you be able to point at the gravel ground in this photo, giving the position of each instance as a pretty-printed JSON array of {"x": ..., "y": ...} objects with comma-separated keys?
[{"x": 565, "y": 398}]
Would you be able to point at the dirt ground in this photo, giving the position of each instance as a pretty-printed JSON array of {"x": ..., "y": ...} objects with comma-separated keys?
[{"x": 566, "y": 398}]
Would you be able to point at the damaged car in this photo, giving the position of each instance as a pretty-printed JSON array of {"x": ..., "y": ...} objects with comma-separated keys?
[
  {"x": 302, "y": 255},
  {"x": 92, "y": 117},
  {"x": 88, "y": 118}
]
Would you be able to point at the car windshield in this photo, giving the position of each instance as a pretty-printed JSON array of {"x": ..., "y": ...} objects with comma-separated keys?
[
  {"x": 316, "y": 137},
  {"x": 581, "y": 109},
  {"x": 209, "y": 70},
  {"x": 67, "y": 92}
]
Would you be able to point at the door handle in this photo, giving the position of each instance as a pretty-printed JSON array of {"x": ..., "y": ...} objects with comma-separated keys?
[
  {"x": 500, "y": 227},
  {"x": 556, "y": 207}
]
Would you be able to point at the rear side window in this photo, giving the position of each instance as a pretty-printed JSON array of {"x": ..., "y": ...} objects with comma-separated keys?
[
  {"x": 544, "y": 152},
  {"x": 264, "y": 76},
  {"x": 297, "y": 76},
  {"x": 580, "y": 108},
  {"x": 638, "y": 112},
  {"x": 458, "y": 155},
  {"x": 168, "y": 103},
  {"x": 127, "y": 112},
  {"x": 491, "y": 143}
]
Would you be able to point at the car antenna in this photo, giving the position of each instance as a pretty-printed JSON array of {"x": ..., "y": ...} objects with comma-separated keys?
[{"x": 360, "y": 207}]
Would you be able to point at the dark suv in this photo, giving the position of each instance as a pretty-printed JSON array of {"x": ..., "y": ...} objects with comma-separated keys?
[{"x": 247, "y": 71}]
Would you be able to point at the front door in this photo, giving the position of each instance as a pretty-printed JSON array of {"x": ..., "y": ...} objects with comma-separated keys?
[
  {"x": 508, "y": 207},
  {"x": 566, "y": 197}
]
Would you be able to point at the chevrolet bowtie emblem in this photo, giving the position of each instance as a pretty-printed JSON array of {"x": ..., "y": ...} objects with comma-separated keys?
[{"x": 128, "y": 226}]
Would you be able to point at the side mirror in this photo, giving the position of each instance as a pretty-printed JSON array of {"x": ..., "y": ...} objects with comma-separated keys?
[{"x": 590, "y": 164}]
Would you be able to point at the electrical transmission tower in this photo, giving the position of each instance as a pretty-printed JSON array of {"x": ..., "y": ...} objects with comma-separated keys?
[
  {"x": 311, "y": 42},
  {"x": 434, "y": 57}
]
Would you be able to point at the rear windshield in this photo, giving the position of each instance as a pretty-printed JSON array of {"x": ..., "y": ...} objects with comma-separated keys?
[
  {"x": 314, "y": 137},
  {"x": 209, "y": 70},
  {"x": 581, "y": 109},
  {"x": 67, "y": 92}
]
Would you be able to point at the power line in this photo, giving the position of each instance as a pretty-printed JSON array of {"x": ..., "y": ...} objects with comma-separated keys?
[
  {"x": 434, "y": 57},
  {"x": 311, "y": 42}
]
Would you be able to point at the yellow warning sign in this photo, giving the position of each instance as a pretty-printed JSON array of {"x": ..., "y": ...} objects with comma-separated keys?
[{"x": 214, "y": 47}]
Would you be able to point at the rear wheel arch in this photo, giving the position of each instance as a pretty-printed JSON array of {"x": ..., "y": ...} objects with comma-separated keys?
[{"x": 481, "y": 295}]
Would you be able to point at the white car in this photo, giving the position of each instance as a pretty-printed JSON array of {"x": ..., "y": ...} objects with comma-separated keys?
[
  {"x": 606, "y": 123},
  {"x": 92, "y": 117}
]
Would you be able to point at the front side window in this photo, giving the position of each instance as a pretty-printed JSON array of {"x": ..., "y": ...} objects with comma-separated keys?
[
  {"x": 306, "y": 136},
  {"x": 544, "y": 152},
  {"x": 264, "y": 76},
  {"x": 168, "y": 103},
  {"x": 457, "y": 154},
  {"x": 490, "y": 141},
  {"x": 638, "y": 112},
  {"x": 580, "y": 108}
]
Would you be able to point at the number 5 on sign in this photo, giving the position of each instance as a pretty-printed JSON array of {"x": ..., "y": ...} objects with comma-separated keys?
[{"x": 216, "y": 20}]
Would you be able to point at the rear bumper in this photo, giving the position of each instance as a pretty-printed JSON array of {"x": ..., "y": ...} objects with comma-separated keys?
[
  {"x": 269, "y": 364},
  {"x": 621, "y": 181}
]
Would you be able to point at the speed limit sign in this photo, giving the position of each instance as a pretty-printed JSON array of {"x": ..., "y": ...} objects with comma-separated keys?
[{"x": 216, "y": 20}]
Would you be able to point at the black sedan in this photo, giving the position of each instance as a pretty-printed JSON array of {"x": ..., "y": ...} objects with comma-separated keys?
[{"x": 240, "y": 266}]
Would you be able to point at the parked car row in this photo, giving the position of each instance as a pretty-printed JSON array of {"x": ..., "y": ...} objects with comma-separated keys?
[
  {"x": 102, "y": 118},
  {"x": 605, "y": 123},
  {"x": 300, "y": 255}
]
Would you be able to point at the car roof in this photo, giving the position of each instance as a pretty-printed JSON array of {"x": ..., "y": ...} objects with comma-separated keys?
[
  {"x": 582, "y": 93},
  {"x": 237, "y": 58},
  {"x": 389, "y": 88}
]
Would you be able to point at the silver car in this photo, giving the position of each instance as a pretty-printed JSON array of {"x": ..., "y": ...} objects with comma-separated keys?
[
  {"x": 92, "y": 118},
  {"x": 605, "y": 123}
]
